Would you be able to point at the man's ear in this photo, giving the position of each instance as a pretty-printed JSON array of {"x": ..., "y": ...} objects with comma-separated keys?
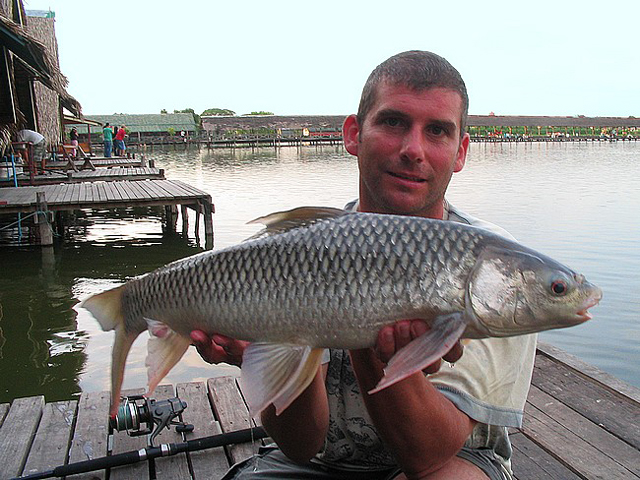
[
  {"x": 461, "y": 156},
  {"x": 350, "y": 134}
]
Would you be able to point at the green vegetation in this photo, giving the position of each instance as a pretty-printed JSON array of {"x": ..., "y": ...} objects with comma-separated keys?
[
  {"x": 545, "y": 131},
  {"x": 218, "y": 112},
  {"x": 261, "y": 112}
]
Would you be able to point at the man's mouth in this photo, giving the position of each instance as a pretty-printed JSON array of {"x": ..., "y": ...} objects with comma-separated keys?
[{"x": 405, "y": 176}]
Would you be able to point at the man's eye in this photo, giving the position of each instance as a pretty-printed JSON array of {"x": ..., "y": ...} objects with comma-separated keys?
[
  {"x": 392, "y": 122},
  {"x": 437, "y": 130}
]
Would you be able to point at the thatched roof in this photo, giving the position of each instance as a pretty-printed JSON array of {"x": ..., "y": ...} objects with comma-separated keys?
[{"x": 33, "y": 54}]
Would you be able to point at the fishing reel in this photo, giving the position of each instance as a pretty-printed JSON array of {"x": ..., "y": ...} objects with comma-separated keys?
[{"x": 138, "y": 415}]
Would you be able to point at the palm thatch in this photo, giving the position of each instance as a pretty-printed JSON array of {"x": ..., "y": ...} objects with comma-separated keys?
[{"x": 31, "y": 54}]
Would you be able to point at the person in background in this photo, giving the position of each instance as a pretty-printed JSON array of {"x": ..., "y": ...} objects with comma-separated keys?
[
  {"x": 409, "y": 138},
  {"x": 107, "y": 133},
  {"x": 38, "y": 148},
  {"x": 119, "y": 142},
  {"x": 73, "y": 135}
]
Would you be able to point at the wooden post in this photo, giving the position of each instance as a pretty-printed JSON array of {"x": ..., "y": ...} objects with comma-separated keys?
[
  {"x": 44, "y": 232},
  {"x": 171, "y": 215},
  {"x": 198, "y": 211},
  {"x": 208, "y": 225},
  {"x": 185, "y": 220}
]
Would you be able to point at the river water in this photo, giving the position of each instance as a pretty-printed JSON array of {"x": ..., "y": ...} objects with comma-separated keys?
[{"x": 578, "y": 203}]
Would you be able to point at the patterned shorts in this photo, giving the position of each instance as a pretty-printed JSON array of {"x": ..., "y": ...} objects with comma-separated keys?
[{"x": 271, "y": 464}]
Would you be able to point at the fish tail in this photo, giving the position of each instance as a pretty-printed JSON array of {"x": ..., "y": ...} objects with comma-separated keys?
[{"x": 106, "y": 307}]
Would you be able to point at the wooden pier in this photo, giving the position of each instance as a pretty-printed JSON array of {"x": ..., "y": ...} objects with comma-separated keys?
[
  {"x": 45, "y": 200},
  {"x": 580, "y": 423},
  {"x": 97, "y": 175},
  {"x": 107, "y": 162}
]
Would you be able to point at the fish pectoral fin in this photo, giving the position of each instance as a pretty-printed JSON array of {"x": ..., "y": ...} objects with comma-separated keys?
[
  {"x": 423, "y": 351},
  {"x": 277, "y": 374},
  {"x": 164, "y": 349}
]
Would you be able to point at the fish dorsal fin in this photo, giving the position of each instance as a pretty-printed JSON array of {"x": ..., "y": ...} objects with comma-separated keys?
[{"x": 280, "y": 222}]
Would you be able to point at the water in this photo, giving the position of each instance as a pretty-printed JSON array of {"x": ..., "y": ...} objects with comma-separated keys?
[{"x": 578, "y": 203}]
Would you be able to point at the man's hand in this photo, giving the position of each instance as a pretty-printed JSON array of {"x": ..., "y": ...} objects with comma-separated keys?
[
  {"x": 218, "y": 348},
  {"x": 393, "y": 337}
]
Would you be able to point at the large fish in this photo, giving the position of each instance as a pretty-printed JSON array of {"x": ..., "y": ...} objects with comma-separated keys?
[{"x": 325, "y": 278}]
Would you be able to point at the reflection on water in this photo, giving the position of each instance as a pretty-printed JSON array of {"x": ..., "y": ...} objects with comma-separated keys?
[{"x": 577, "y": 203}]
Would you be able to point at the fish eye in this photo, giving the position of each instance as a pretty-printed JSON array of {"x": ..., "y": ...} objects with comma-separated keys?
[{"x": 559, "y": 287}]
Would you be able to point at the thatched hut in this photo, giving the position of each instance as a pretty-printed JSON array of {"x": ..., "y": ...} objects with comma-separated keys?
[{"x": 32, "y": 88}]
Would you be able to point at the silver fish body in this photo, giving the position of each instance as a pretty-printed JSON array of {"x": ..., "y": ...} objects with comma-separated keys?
[{"x": 336, "y": 281}]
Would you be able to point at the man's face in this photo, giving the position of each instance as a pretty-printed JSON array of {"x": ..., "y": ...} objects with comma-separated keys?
[{"x": 408, "y": 148}]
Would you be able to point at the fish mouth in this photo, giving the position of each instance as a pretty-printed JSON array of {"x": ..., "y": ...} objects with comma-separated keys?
[
  {"x": 407, "y": 176},
  {"x": 583, "y": 315}
]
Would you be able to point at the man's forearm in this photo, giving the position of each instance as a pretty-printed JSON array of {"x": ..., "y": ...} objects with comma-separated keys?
[
  {"x": 422, "y": 428},
  {"x": 301, "y": 428}
]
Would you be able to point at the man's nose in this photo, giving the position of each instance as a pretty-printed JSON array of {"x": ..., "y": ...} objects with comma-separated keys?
[{"x": 413, "y": 146}]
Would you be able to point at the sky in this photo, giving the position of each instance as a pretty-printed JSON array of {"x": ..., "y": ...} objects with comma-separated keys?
[{"x": 312, "y": 58}]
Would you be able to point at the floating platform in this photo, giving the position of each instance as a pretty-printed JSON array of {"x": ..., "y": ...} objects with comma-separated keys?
[
  {"x": 41, "y": 200},
  {"x": 107, "y": 162},
  {"x": 580, "y": 423},
  {"x": 97, "y": 175}
]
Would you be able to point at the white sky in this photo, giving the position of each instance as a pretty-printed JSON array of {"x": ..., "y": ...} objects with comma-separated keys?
[{"x": 295, "y": 57}]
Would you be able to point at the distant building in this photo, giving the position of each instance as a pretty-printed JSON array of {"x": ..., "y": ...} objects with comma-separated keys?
[
  {"x": 221, "y": 125},
  {"x": 148, "y": 126}
]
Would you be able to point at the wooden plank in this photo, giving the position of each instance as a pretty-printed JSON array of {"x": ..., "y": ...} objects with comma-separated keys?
[
  {"x": 577, "y": 453},
  {"x": 4, "y": 408},
  {"x": 232, "y": 414},
  {"x": 531, "y": 462},
  {"x": 211, "y": 463},
  {"x": 90, "y": 439},
  {"x": 617, "y": 414},
  {"x": 16, "y": 434},
  {"x": 176, "y": 466},
  {"x": 590, "y": 371},
  {"x": 123, "y": 442},
  {"x": 605, "y": 442},
  {"x": 53, "y": 437}
]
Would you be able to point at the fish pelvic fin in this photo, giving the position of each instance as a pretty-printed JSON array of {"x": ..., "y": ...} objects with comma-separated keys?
[
  {"x": 423, "y": 351},
  {"x": 164, "y": 349},
  {"x": 280, "y": 222},
  {"x": 277, "y": 374}
]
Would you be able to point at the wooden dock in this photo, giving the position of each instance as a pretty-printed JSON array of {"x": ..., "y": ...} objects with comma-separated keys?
[
  {"x": 97, "y": 175},
  {"x": 109, "y": 195},
  {"x": 106, "y": 162},
  {"x": 580, "y": 423}
]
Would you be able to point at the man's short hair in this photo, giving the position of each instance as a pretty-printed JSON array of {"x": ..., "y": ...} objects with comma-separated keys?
[{"x": 418, "y": 70}]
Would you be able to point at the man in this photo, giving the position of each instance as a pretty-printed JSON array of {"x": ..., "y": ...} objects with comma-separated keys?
[
  {"x": 107, "y": 133},
  {"x": 38, "y": 148},
  {"x": 119, "y": 141},
  {"x": 409, "y": 139}
]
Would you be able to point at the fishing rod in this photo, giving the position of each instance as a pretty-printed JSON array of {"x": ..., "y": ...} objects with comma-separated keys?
[{"x": 134, "y": 412}]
